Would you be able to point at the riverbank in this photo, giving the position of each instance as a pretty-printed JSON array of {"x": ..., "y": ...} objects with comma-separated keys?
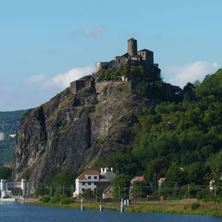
[
  {"x": 192, "y": 207},
  {"x": 186, "y": 206},
  {"x": 33, "y": 213},
  {"x": 89, "y": 205}
]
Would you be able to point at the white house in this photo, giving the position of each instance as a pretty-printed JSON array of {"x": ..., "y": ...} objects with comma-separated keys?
[
  {"x": 92, "y": 179},
  {"x": 12, "y": 135},
  {"x": 7, "y": 187},
  {"x": 161, "y": 181},
  {"x": 2, "y": 136}
]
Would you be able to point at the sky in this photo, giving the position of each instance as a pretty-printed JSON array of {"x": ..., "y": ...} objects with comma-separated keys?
[{"x": 45, "y": 44}]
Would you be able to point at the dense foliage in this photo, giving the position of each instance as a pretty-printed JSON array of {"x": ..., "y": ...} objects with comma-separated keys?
[
  {"x": 181, "y": 140},
  {"x": 117, "y": 73},
  {"x": 62, "y": 182},
  {"x": 61, "y": 185},
  {"x": 5, "y": 173}
]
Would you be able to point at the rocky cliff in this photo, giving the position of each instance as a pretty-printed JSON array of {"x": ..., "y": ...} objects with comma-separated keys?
[{"x": 74, "y": 131}]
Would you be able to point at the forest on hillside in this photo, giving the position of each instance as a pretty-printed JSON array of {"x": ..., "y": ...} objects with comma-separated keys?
[{"x": 178, "y": 140}]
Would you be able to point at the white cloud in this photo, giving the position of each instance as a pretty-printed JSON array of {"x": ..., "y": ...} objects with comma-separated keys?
[
  {"x": 94, "y": 32},
  {"x": 36, "y": 79},
  {"x": 63, "y": 80},
  {"x": 181, "y": 74},
  {"x": 37, "y": 89},
  {"x": 59, "y": 81}
]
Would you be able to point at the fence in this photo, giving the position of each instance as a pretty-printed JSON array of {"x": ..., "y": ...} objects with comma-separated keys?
[{"x": 139, "y": 192}]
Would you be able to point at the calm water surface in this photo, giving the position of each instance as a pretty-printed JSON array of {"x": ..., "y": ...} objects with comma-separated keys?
[{"x": 28, "y": 213}]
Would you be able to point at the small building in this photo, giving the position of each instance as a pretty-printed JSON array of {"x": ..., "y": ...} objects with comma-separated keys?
[
  {"x": 12, "y": 135},
  {"x": 2, "y": 136},
  {"x": 6, "y": 188},
  {"x": 161, "y": 181},
  {"x": 108, "y": 193},
  {"x": 212, "y": 185},
  {"x": 93, "y": 180},
  {"x": 137, "y": 179}
]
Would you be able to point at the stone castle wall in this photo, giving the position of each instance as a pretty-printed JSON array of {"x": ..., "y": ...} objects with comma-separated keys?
[
  {"x": 101, "y": 85},
  {"x": 98, "y": 87},
  {"x": 87, "y": 83}
]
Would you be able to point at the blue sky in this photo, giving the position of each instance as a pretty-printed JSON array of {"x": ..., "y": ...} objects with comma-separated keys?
[{"x": 45, "y": 44}]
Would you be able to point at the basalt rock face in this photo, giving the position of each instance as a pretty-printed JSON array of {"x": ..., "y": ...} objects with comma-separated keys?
[{"x": 74, "y": 131}]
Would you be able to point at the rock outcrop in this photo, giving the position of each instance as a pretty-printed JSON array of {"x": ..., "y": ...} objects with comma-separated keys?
[{"x": 74, "y": 131}]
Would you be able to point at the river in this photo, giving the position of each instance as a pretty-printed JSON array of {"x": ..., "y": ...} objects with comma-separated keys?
[{"x": 29, "y": 213}]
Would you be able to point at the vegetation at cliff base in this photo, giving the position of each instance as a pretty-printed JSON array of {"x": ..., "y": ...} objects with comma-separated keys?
[
  {"x": 5, "y": 173},
  {"x": 180, "y": 140},
  {"x": 60, "y": 185}
]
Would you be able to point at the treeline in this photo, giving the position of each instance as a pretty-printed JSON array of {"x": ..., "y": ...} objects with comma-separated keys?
[
  {"x": 178, "y": 140},
  {"x": 9, "y": 121}
]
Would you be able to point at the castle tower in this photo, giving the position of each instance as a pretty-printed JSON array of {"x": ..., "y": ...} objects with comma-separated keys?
[{"x": 132, "y": 47}]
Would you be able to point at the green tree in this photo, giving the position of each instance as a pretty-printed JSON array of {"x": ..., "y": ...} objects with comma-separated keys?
[
  {"x": 121, "y": 186},
  {"x": 62, "y": 183},
  {"x": 5, "y": 173},
  {"x": 88, "y": 194}
]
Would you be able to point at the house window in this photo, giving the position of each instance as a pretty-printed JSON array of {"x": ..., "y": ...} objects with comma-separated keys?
[
  {"x": 83, "y": 183},
  {"x": 83, "y": 189},
  {"x": 89, "y": 177},
  {"x": 89, "y": 183},
  {"x": 95, "y": 177}
]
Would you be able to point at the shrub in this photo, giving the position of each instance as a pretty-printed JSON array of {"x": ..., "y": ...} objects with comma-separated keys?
[
  {"x": 89, "y": 194},
  {"x": 195, "y": 206},
  {"x": 66, "y": 200},
  {"x": 62, "y": 183},
  {"x": 45, "y": 199},
  {"x": 55, "y": 200},
  {"x": 5, "y": 173}
]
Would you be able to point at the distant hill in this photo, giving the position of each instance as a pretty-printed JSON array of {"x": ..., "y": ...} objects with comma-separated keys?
[{"x": 9, "y": 123}]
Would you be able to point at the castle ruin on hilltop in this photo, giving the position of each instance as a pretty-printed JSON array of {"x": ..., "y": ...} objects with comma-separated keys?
[
  {"x": 143, "y": 58},
  {"x": 133, "y": 57}
]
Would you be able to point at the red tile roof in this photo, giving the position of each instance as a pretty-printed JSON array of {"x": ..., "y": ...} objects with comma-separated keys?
[
  {"x": 137, "y": 179},
  {"x": 90, "y": 172}
]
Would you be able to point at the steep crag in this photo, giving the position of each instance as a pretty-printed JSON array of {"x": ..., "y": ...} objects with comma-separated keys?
[{"x": 74, "y": 131}]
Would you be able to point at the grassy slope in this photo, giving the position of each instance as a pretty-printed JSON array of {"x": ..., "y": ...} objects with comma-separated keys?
[{"x": 171, "y": 207}]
